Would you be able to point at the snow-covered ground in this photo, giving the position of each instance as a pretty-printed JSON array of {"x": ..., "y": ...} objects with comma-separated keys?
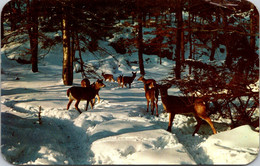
[{"x": 117, "y": 131}]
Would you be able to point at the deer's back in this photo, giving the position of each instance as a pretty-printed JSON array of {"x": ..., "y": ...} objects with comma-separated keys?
[
  {"x": 148, "y": 81},
  {"x": 178, "y": 105},
  {"x": 150, "y": 94},
  {"x": 107, "y": 75},
  {"x": 127, "y": 79},
  {"x": 85, "y": 82},
  {"x": 82, "y": 93}
]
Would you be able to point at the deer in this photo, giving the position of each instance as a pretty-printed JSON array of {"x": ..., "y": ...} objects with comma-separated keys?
[
  {"x": 108, "y": 77},
  {"x": 84, "y": 93},
  {"x": 128, "y": 80},
  {"x": 147, "y": 81},
  {"x": 150, "y": 94},
  {"x": 184, "y": 105},
  {"x": 85, "y": 82},
  {"x": 119, "y": 80}
]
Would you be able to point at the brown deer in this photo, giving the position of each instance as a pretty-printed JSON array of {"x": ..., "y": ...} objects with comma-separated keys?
[
  {"x": 119, "y": 80},
  {"x": 150, "y": 94},
  {"x": 108, "y": 77},
  {"x": 84, "y": 93},
  {"x": 184, "y": 105},
  {"x": 85, "y": 82},
  {"x": 128, "y": 80},
  {"x": 147, "y": 81}
]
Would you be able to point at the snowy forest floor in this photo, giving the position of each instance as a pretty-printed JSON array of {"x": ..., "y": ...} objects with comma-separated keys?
[{"x": 117, "y": 131}]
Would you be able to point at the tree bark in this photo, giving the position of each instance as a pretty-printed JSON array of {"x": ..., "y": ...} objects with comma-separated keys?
[
  {"x": 190, "y": 36},
  {"x": 32, "y": 27},
  {"x": 252, "y": 26},
  {"x": 67, "y": 71},
  {"x": 178, "y": 40},
  {"x": 140, "y": 40},
  {"x": 214, "y": 40},
  {"x": 80, "y": 57},
  {"x": 2, "y": 28}
]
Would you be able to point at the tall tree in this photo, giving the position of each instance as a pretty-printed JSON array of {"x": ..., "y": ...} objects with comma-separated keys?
[
  {"x": 140, "y": 38},
  {"x": 67, "y": 71},
  {"x": 32, "y": 27},
  {"x": 178, "y": 39}
]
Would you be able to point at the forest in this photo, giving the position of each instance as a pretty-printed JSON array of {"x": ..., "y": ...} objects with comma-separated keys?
[
  {"x": 180, "y": 30},
  {"x": 211, "y": 47}
]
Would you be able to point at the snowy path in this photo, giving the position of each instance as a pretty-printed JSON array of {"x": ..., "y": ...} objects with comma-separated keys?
[{"x": 117, "y": 131}]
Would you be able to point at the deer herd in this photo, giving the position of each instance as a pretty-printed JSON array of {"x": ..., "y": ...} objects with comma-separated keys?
[{"x": 172, "y": 104}]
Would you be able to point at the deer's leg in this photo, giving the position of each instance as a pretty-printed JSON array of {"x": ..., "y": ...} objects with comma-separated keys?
[
  {"x": 77, "y": 106},
  {"x": 93, "y": 100},
  {"x": 156, "y": 105},
  {"x": 170, "y": 122},
  {"x": 208, "y": 120},
  {"x": 204, "y": 116},
  {"x": 86, "y": 108},
  {"x": 91, "y": 104},
  {"x": 129, "y": 85},
  {"x": 147, "y": 105},
  {"x": 199, "y": 122},
  {"x": 69, "y": 103},
  {"x": 152, "y": 106},
  {"x": 98, "y": 98}
]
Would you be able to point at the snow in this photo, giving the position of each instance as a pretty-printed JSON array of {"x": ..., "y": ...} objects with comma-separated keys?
[
  {"x": 117, "y": 131},
  {"x": 226, "y": 146}
]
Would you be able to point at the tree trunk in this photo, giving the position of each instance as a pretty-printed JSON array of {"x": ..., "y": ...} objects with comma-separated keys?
[
  {"x": 67, "y": 72},
  {"x": 34, "y": 58},
  {"x": 80, "y": 57},
  {"x": 252, "y": 27},
  {"x": 178, "y": 41},
  {"x": 13, "y": 15},
  {"x": 214, "y": 40},
  {"x": 140, "y": 41},
  {"x": 190, "y": 36},
  {"x": 2, "y": 29},
  {"x": 32, "y": 21},
  {"x": 182, "y": 45}
]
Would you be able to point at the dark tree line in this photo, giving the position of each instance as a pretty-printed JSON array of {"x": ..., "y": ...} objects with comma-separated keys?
[{"x": 180, "y": 26}]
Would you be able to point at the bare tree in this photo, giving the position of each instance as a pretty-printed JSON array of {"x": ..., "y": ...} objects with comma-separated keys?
[{"x": 67, "y": 71}]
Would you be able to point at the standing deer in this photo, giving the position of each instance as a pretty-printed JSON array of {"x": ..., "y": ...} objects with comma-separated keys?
[
  {"x": 85, "y": 82},
  {"x": 151, "y": 94},
  {"x": 181, "y": 105},
  {"x": 119, "y": 80},
  {"x": 108, "y": 77},
  {"x": 128, "y": 80},
  {"x": 84, "y": 93},
  {"x": 147, "y": 81}
]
